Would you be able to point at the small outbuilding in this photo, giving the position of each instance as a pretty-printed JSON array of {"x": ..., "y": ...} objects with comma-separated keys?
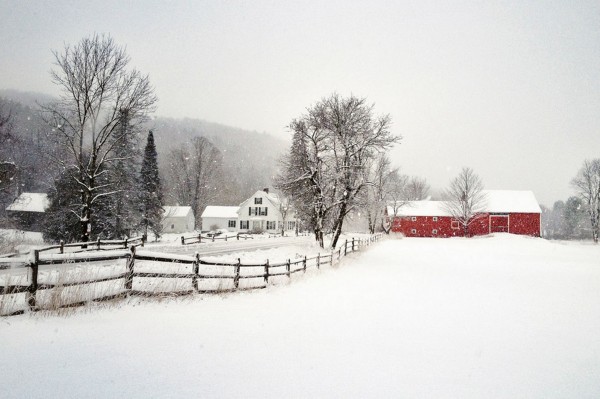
[
  {"x": 506, "y": 211},
  {"x": 28, "y": 211},
  {"x": 178, "y": 219},
  {"x": 220, "y": 217}
]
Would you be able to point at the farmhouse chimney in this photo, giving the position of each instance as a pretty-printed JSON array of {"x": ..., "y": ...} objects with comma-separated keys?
[{"x": 266, "y": 190}]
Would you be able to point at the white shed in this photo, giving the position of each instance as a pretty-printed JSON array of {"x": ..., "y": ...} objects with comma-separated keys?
[
  {"x": 220, "y": 217},
  {"x": 178, "y": 219}
]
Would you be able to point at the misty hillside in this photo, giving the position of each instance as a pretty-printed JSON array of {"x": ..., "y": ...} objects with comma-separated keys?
[{"x": 250, "y": 157}]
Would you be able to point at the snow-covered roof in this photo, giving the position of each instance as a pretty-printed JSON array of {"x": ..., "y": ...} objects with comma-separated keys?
[
  {"x": 30, "y": 202},
  {"x": 511, "y": 201},
  {"x": 228, "y": 212},
  {"x": 497, "y": 201},
  {"x": 420, "y": 208},
  {"x": 176, "y": 211},
  {"x": 272, "y": 197}
]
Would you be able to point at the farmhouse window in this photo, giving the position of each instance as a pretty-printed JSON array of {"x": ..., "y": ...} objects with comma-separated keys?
[
  {"x": 271, "y": 225},
  {"x": 258, "y": 201},
  {"x": 172, "y": 227},
  {"x": 435, "y": 218},
  {"x": 413, "y": 231},
  {"x": 244, "y": 224},
  {"x": 262, "y": 211},
  {"x": 291, "y": 225},
  {"x": 414, "y": 218},
  {"x": 231, "y": 223},
  {"x": 455, "y": 225}
]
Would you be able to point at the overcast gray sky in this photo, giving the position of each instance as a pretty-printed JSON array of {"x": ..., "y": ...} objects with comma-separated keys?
[{"x": 511, "y": 89}]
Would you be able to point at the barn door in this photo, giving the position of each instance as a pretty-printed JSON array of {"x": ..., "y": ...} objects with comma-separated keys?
[{"x": 498, "y": 223}]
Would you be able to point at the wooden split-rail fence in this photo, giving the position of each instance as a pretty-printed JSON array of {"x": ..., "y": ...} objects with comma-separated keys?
[{"x": 198, "y": 270}]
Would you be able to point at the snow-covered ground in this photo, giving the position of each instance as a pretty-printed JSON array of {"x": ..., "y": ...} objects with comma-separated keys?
[{"x": 490, "y": 317}]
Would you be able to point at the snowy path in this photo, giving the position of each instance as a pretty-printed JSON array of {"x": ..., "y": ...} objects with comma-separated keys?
[{"x": 502, "y": 317}]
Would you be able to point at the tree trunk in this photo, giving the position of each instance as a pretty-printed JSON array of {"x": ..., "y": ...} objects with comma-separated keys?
[{"x": 337, "y": 228}]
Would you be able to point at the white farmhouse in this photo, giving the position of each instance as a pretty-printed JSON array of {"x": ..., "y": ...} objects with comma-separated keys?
[
  {"x": 265, "y": 211},
  {"x": 178, "y": 219},
  {"x": 220, "y": 217}
]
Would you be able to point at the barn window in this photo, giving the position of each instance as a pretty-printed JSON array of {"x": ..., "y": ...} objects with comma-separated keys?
[
  {"x": 414, "y": 218},
  {"x": 413, "y": 231},
  {"x": 434, "y": 231},
  {"x": 231, "y": 223},
  {"x": 258, "y": 201},
  {"x": 455, "y": 225},
  {"x": 435, "y": 218}
]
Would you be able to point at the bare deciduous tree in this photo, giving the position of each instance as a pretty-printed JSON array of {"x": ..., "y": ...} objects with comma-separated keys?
[
  {"x": 193, "y": 174},
  {"x": 97, "y": 90},
  {"x": 333, "y": 145},
  {"x": 386, "y": 188},
  {"x": 417, "y": 189},
  {"x": 465, "y": 199},
  {"x": 587, "y": 184}
]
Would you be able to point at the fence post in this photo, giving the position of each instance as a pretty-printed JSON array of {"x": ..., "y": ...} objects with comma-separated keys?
[
  {"x": 182, "y": 240},
  {"x": 304, "y": 264},
  {"x": 225, "y": 237},
  {"x": 98, "y": 243},
  {"x": 34, "y": 280},
  {"x": 236, "y": 279},
  {"x": 62, "y": 246},
  {"x": 129, "y": 275},
  {"x": 346, "y": 248},
  {"x": 287, "y": 266},
  {"x": 238, "y": 236},
  {"x": 200, "y": 238},
  {"x": 352, "y": 244},
  {"x": 267, "y": 272},
  {"x": 144, "y": 238},
  {"x": 318, "y": 260},
  {"x": 213, "y": 238},
  {"x": 125, "y": 243},
  {"x": 196, "y": 272}
]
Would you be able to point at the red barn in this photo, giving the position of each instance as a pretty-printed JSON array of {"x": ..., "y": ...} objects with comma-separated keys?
[{"x": 516, "y": 212}]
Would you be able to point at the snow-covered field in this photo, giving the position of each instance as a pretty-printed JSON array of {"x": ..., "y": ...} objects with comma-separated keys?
[{"x": 490, "y": 317}]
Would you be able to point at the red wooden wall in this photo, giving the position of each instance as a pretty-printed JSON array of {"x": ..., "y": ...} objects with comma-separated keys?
[{"x": 426, "y": 226}]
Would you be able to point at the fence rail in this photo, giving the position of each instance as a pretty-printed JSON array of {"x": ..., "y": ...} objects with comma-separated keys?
[
  {"x": 199, "y": 238},
  {"x": 135, "y": 261},
  {"x": 97, "y": 245}
]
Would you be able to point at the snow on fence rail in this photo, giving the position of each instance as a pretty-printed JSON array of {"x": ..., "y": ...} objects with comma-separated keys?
[
  {"x": 98, "y": 244},
  {"x": 199, "y": 238},
  {"x": 136, "y": 274}
]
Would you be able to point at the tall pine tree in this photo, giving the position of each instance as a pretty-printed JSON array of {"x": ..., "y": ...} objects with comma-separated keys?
[
  {"x": 150, "y": 192},
  {"x": 124, "y": 175}
]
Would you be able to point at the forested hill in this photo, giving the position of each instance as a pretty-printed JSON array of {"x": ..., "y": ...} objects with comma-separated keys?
[{"x": 250, "y": 158}]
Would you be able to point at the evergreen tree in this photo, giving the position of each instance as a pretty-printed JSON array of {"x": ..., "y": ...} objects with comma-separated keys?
[
  {"x": 150, "y": 190},
  {"x": 124, "y": 176}
]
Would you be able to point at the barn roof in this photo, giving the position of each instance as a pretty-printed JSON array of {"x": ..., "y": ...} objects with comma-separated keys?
[
  {"x": 511, "y": 201},
  {"x": 228, "y": 212},
  {"x": 176, "y": 211},
  {"x": 420, "y": 208},
  {"x": 30, "y": 202},
  {"x": 498, "y": 201}
]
